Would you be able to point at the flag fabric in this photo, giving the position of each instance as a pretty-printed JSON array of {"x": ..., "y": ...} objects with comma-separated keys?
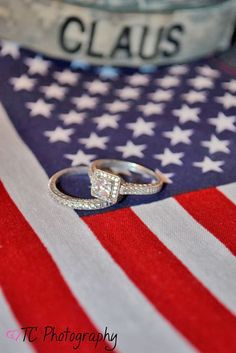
[{"x": 159, "y": 271}]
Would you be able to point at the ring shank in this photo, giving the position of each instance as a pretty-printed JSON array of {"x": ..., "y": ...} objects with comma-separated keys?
[{"x": 71, "y": 201}]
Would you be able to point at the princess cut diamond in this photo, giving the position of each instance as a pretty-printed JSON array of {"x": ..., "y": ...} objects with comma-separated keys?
[{"x": 105, "y": 186}]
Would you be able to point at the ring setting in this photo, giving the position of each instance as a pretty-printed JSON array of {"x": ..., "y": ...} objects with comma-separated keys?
[
  {"x": 108, "y": 186},
  {"x": 105, "y": 186},
  {"x": 107, "y": 183}
]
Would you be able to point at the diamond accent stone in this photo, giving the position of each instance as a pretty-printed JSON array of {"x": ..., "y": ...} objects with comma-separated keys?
[
  {"x": 102, "y": 187},
  {"x": 105, "y": 186}
]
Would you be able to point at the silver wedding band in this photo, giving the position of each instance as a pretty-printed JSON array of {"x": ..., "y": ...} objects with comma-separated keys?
[
  {"x": 71, "y": 201},
  {"x": 107, "y": 183}
]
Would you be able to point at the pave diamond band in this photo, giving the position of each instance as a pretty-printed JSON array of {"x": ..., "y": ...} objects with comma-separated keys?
[
  {"x": 71, "y": 201},
  {"x": 107, "y": 183},
  {"x": 103, "y": 173}
]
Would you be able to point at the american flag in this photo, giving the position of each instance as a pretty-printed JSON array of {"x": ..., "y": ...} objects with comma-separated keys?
[{"x": 157, "y": 270}]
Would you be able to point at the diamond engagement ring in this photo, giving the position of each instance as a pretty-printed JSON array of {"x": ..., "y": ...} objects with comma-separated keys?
[
  {"x": 71, "y": 201},
  {"x": 108, "y": 186}
]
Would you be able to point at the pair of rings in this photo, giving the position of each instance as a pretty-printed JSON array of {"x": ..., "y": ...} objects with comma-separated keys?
[{"x": 107, "y": 184}]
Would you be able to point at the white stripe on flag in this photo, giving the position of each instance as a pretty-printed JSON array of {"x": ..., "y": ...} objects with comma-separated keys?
[
  {"x": 8, "y": 324},
  {"x": 101, "y": 287},
  {"x": 229, "y": 190},
  {"x": 205, "y": 256}
]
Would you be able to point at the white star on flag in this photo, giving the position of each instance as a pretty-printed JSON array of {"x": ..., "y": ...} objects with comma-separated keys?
[
  {"x": 128, "y": 93},
  {"x": 59, "y": 134},
  {"x": 208, "y": 71},
  {"x": 72, "y": 117},
  {"x": 117, "y": 106},
  {"x": 97, "y": 87},
  {"x": 141, "y": 127},
  {"x": 66, "y": 77},
  {"x": 168, "y": 81},
  {"x": 37, "y": 65},
  {"x": 186, "y": 114},
  {"x": 227, "y": 100},
  {"x": 130, "y": 150},
  {"x": 178, "y": 70},
  {"x": 208, "y": 165},
  {"x": 166, "y": 176},
  {"x": 178, "y": 135},
  {"x": 54, "y": 91},
  {"x": 200, "y": 82},
  {"x": 161, "y": 95},
  {"x": 94, "y": 141},
  {"x": 194, "y": 96},
  {"x": 84, "y": 102},
  {"x": 40, "y": 107},
  {"x": 107, "y": 121},
  {"x": 138, "y": 80},
  {"x": 223, "y": 122},
  {"x": 215, "y": 145},
  {"x": 9, "y": 48},
  {"x": 23, "y": 82},
  {"x": 169, "y": 157},
  {"x": 230, "y": 86},
  {"x": 80, "y": 158},
  {"x": 151, "y": 108}
]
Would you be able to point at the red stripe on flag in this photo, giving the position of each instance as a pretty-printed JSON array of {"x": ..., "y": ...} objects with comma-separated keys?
[
  {"x": 33, "y": 285},
  {"x": 213, "y": 211},
  {"x": 166, "y": 282}
]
